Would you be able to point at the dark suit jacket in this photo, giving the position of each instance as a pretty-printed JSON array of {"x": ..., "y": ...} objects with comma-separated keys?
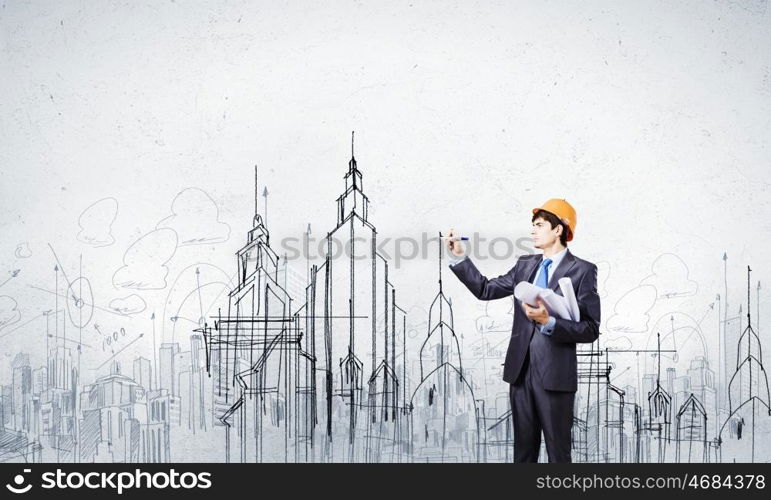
[{"x": 552, "y": 358}]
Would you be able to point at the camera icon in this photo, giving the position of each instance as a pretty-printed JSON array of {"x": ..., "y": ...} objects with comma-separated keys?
[{"x": 18, "y": 481}]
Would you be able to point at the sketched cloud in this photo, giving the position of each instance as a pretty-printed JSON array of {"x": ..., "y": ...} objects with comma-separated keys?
[
  {"x": 8, "y": 312},
  {"x": 670, "y": 277},
  {"x": 145, "y": 261},
  {"x": 96, "y": 223},
  {"x": 23, "y": 251},
  {"x": 630, "y": 314},
  {"x": 195, "y": 218},
  {"x": 132, "y": 304}
]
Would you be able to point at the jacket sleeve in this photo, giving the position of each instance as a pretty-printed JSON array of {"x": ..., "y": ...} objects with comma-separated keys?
[
  {"x": 588, "y": 329},
  {"x": 480, "y": 286}
]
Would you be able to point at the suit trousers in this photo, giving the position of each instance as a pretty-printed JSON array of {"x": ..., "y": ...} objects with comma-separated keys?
[{"x": 535, "y": 409}]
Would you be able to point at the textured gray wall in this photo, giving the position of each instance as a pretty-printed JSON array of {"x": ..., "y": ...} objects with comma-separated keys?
[{"x": 651, "y": 118}]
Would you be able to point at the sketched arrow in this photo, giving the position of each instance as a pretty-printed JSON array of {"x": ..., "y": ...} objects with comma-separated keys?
[
  {"x": 73, "y": 341},
  {"x": 124, "y": 348},
  {"x": 14, "y": 273},
  {"x": 57, "y": 268},
  {"x": 200, "y": 299}
]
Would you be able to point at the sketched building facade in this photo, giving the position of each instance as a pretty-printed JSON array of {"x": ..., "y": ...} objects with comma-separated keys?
[
  {"x": 691, "y": 444},
  {"x": 18, "y": 415},
  {"x": 749, "y": 399},
  {"x": 657, "y": 427},
  {"x": 615, "y": 441},
  {"x": 702, "y": 386},
  {"x": 57, "y": 407},
  {"x": 183, "y": 374},
  {"x": 444, "y": 418},
  {"x": 21, "y": 396},
  {"x": 122, "y": 422},
  {"x": 263, "y": 379},
  {"x": 352, "y": 303}
]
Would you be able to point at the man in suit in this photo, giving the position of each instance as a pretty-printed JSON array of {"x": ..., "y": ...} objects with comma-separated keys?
[{"x": 541, "y": 365}]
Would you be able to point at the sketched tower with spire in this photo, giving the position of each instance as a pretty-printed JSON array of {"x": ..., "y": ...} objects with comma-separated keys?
[
  {"x": 691, "y": 440},
  {"x": 659, "y": 422},
  {"x": 749, "y": 419},
  {"x": 263, "y": 379},
  {"x": 353, "y": 300},
  {"x": 444, "y": 420}
]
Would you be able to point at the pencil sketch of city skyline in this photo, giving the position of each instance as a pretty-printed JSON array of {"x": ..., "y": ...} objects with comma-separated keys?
[{"x": 202, "y": 262}]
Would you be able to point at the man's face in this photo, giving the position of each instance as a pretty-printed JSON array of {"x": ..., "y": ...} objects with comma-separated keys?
[{"x": 543, "y": 234}]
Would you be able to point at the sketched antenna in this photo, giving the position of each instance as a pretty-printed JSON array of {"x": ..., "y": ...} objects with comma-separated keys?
[{"x": 259, "y": 220}]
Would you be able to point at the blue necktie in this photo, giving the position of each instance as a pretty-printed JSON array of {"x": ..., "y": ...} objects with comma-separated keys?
[{"x": 543, "y": 278}]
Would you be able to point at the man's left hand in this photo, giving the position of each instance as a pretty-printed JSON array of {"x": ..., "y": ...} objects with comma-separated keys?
[{"x": 538, "y": 314}]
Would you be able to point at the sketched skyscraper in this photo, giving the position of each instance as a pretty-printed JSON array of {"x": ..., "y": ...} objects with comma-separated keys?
[
  {"x": 22, "y": 393},
  {"x": 749, "y": 400},
  {"x": 702, "y": 385},
  {"x": 657, "y": 431},
  {"x": 691, "y": 443},
  {"x": 118, "y": 426},
  {"x": 353, "y": 299},
  {"x": 444, "y": 421},
  {"x": 57, "y": 408},
  {"x": 143, "y": 372},
  {"x": 732, "y": 330},
  {"x": 262, "y": 377}
]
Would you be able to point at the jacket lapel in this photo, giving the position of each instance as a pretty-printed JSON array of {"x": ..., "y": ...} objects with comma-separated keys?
[
  {"x": 568, "y": 261},
  {"x": 531, "y": 268}
]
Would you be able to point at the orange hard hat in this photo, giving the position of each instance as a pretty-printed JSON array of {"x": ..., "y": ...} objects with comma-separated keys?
[{"x": 564, "y": 211}]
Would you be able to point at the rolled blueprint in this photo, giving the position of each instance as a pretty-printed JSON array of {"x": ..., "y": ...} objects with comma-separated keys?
[
  {"x": 527, "y": 292},
  {"x": 556, "y": 304},
  {"x": 566, "y": 286}
]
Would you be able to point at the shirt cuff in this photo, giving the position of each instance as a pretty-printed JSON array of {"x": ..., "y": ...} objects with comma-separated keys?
[
  {"x": 456, "y": 260},
  {"x": 548, "y": 327}
]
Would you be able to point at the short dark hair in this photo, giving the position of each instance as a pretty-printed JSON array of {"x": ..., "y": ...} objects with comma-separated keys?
[{"x": 554, "y": 221}]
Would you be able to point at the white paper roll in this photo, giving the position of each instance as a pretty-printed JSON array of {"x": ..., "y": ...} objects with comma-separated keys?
[
  {"x": 556, "y": 304},
  {"x": 566, "y": 287}
]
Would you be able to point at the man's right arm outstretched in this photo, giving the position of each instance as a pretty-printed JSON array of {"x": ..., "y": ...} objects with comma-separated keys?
[{"x": 480, "y": 286}]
